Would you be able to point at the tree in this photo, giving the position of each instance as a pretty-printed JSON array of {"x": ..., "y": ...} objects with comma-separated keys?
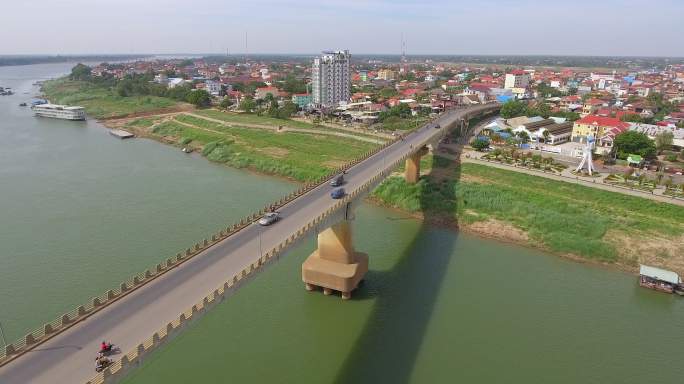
[
  {"x": 199, "y": 98},
  {"x": 288, "y": 109},
  {"x": 632, "y": 118},
  {"x": 664, "y": 140},
  {"x": 541, "y": 109},
  {"x": 386, "y": 93},
  {"x": 179, "y": 92},
  {"x": 226, "y": 102},
  {"x": 569, "y": 116},
  {"x": 479, "y": 144},
  {"x": 634, "y": 142},
  {"x": 81, "y": 72},
  {"x": 546, "y": 135},
  {"x": 273, "y": 105},
  {"x": 523, "y": 136},
  {"x": 293, "y": 85},
  {"x": 545, "y": 90},
  {"x": 513, "y": 108},
  {"x": 401, "y": 111},
  {"x": 248, "y": 104}
]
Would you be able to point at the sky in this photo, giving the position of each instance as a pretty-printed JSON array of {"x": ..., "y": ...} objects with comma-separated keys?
[{"x": 490, "y": 27}]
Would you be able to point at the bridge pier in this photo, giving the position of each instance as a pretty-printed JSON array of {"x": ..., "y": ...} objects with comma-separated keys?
[
  {"x": 335, "y": 265},
  {"x": 412, "y": 168}
]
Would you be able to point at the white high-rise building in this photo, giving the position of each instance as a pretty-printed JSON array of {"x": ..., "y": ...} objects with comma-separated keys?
[{"x": 331, "y": 80}]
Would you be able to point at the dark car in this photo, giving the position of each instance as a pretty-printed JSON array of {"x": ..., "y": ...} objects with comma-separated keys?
[
  {"x": 436, "y": 126},
  {"x": 337, "y": 181},
  {"x": 337, "y": 193}
]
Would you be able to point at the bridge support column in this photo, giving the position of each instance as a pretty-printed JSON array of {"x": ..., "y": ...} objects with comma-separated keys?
[
  {"x": 412, "y": 168},
  {"x": 335, "y": 265}
]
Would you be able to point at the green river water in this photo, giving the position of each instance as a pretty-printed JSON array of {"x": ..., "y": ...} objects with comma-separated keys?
[{"x": 81, "y": 211}]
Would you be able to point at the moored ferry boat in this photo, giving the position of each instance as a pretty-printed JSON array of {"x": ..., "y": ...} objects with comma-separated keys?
[
  {"x": 56, "y": 111},
  {"x": 660, "y": 280}
]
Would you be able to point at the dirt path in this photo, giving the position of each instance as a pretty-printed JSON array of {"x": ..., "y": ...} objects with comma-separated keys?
[{"x": 286, "y": 129}]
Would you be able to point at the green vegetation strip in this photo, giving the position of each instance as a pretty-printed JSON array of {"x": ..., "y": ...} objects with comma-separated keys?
[
  {"x": 300, "y": 156},
  {"x": 564, "y": 217}
]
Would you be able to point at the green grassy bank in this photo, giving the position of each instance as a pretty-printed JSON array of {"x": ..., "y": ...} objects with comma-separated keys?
[
  {"x": 562, "y": 217},
  {"x": 299, "y": 156},
  {"x": 101, "y": 102}
]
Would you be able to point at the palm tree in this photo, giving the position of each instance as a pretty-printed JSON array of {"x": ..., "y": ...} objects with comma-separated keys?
[
  {"x": 524, "y": 137},
  {"x": 546, "y": 135}
]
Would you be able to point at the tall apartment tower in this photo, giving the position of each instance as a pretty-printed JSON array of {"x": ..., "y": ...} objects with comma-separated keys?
[{"x": 331, "y": 81}]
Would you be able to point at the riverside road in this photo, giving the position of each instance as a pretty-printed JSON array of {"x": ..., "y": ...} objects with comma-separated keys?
[{"x": 68, "y": 357}]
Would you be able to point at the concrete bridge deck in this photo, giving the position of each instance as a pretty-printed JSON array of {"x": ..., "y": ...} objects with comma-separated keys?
[{"x": 69, "y": 356}]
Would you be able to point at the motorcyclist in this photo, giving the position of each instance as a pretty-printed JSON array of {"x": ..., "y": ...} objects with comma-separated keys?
[
  {"x": 101, "y": 362},
  {"x": 104, "y": 347}
]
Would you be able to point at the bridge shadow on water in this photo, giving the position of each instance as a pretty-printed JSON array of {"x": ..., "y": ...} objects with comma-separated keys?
[{"x": 388, "y": 346}]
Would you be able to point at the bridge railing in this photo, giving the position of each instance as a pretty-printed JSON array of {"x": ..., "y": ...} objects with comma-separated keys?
[{"x": 67, "y": 320}]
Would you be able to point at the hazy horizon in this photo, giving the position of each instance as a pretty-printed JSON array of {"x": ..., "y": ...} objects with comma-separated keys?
[{"x": 365, "y": 27}]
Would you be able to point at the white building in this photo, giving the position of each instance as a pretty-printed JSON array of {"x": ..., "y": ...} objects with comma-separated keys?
[
  {"x": 517, "y": 79},
  {"x": 331, "y": 80},
  {"x": 213, "y": 87},
  {"x": 176, "y": 82}
]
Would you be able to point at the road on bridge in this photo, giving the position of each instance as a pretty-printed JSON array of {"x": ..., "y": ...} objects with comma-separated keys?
[{"x": 69, "y": 356}]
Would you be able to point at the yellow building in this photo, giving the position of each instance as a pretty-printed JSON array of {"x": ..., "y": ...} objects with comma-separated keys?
[
  {"x": 603, "y": 129},
  {"x": 387, "y": 74}
]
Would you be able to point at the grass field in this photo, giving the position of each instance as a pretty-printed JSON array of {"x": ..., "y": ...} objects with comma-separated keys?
[
  {"x": 300, "y": 156},
  {"x": 101, "y": 102},
  {"x": 563, "y": 217},
  {"x": 248, "y": 118}
]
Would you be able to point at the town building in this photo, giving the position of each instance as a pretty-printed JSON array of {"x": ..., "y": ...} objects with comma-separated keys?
[
  {"x": 603, "y": 129},
  {"x": 331, "y": 80},
  {"x": 387, "y": 74},
  {"x": 517, "y": 79},
  {"x": 302, "y": 100},
  {"x": 213, "y": 87}
]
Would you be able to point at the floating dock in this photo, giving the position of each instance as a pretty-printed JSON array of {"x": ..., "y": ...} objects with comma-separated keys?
[{"x": 121, "y": 134}]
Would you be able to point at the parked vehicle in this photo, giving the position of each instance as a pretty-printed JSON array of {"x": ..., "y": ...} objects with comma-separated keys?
[
  {"x": 436, "y": 126},
  {"x": 337, "y": 181},
  {"x": 269, "y": 218},
  {"x": 337, "y": 193}
]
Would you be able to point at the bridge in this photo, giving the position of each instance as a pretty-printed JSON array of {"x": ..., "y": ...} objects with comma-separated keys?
[{"x": 147, "y": 311}]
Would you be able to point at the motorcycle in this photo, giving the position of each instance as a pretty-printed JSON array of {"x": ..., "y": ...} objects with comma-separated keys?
[
  {"x": 102, "y": 363},
  {"x": 108, "y": 349}
]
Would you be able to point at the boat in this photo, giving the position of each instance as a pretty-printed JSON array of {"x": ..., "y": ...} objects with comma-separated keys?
[
  {"x": 35, "y": 102},
  {"x": 660, "y": 280},
  {"x": 57, "y": 111},
  {"x": 22, "y": 104},
  {"x": 186, "y": 150}
]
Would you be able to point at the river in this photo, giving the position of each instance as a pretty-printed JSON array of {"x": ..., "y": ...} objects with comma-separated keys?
[{"x": 82, "y": 211}]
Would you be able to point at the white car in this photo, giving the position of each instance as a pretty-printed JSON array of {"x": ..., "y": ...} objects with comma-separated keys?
[{"x": 269, "y": 218}]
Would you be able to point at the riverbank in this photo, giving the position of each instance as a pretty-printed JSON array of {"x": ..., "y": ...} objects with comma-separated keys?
[
  {"x": 102, "y": 103},
  {"x": 570, "y": 220}
]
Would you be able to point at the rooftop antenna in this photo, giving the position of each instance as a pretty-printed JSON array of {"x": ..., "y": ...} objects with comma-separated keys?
[
  {"x": 403, "y": 54},
  {"x": 246, "y": 49}
]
